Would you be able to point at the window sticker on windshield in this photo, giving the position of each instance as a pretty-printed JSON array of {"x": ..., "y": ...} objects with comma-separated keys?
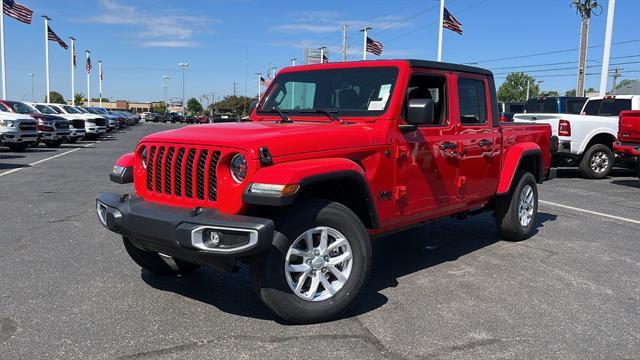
[
  {"x": 384, "y": 92},
  {"x": 377, "y": 105}
]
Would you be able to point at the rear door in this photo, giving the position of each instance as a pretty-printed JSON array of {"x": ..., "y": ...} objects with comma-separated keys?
[{"x": 478, "y": 140}]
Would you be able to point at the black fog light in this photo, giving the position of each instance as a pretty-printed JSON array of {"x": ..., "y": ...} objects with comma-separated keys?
[{"x": 220, "y": 240}]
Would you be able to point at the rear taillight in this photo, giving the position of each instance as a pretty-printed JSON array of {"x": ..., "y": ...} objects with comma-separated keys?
[
  {"x": 504, "y": 118},
  {"x": 564, "y": 128}
]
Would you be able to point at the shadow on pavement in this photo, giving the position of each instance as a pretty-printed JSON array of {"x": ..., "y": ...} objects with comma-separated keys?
[
  {"x": 7, "y": 157},
  {"x": 12, "y": 166},
  {"x": 630, "y": 183},
  {"x": 394, "y": 257},
  {"x": 568, "y": 173}
]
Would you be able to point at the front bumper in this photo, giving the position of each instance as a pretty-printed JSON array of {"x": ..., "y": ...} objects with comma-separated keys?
[
  {"x": 15, "y": 136},
  {"x": 96, "y": 129},
  {"x": 183, "y": 233},
  {"x": 77, "y": 133},
  {"x": 53, "y": 135},
  {"x": 626, "y": 148}
]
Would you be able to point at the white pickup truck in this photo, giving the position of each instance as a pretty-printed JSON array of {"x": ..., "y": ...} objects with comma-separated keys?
[{"x": 587, "y": 139}]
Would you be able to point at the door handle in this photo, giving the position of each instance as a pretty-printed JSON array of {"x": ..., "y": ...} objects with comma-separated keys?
[
  {"x": 448, "y": 146},
  {"x": 485, "y": 143}
]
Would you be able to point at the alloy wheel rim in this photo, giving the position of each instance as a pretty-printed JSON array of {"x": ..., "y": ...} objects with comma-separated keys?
[
  {"x": 526, "y": 206},
  {"x": 599, "y": 162},
  {"x": 318, "y": 264}
]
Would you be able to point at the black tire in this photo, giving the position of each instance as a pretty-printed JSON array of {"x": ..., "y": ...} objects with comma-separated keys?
[
  {"x": 507, "y": 209},
  {"x": 268, "y": 269},
  {"x": 591, "y": 164},
  {"x": 72, "y": 140},
  {"x": 153, "y": 263},
  {"x": 18, "y": 147},
  {"x": 92, "y": 137},
  {"x": 638, "y": 167},
  {"x": 53, "y": 143}
]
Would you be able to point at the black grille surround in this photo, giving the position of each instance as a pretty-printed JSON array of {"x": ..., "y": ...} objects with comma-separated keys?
[{"x": 178, "y": 171}]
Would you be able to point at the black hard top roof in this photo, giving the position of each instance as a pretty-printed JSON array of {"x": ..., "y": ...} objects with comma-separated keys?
[{"x": 448, "y": 66}]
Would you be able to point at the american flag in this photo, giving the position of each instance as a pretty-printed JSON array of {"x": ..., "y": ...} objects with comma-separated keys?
[
  {"x": 264, "y": 82},
  {"x": 54, "y": 37},
  {"x": 17, "y": 11},
  {"x": 374, "y": 47},
  {"x": 89, "y": 66},
  {"x": 325, "y": 59},
  {"x": 451, "y": 23}
]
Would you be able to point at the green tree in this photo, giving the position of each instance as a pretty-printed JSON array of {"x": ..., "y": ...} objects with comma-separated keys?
[
  {"x": 571, "y": 92},
  {"x": 514, "y": 87},
  {"x": 56, "y": 98},
  {"x": 551, "y": 93},
  {"x": 624, "y": 82},
  {"x": 79, "y": 98},
  {"x": 160, "y": 107},
  {"x": 194, "y": 106},
  {"x": 239, "y": 104},
  {"x": 98, "y": 99}
]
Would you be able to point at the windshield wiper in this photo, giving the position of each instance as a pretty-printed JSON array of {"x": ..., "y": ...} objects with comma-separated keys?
[
  {"x": 331, "y": 114},
  {"x": 285, "y": 118}
]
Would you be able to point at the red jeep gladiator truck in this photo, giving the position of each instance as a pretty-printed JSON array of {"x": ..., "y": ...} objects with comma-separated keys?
[
  {"x": 628, "y": 142},
  {"x": 334, "y": 155}
]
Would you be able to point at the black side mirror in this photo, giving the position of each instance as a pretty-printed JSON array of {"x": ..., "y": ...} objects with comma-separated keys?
[
  {"x": 420, "y": 111},
  {"x": 252, "y": 107}
]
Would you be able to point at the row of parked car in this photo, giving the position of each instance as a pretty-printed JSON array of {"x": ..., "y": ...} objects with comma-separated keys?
[
  {"x": 24, "y": 124},
  {"x": 587, "y": 129},
  {"x": 221, "y": 115}
]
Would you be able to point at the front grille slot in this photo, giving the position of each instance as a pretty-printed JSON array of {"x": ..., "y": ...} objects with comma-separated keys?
[
  {"x": 183, "y": 172},
  {"x": 62, "y": 125},
  {"x": 27, "y": 127},
  {"x": 78, "y": 124}
]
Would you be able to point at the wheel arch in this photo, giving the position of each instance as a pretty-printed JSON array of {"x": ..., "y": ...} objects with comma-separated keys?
[
  {"x": 527, "y": 156},
  {"x": 599, "y": 136}
]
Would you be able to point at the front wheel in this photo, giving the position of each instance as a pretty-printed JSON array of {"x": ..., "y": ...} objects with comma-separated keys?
[
  {"x": 597, "y": 162},
  {"x": 154, "y": 262},
  {"x": 516, "y": 212},
  {"x": 18, "y": 147},
  {"x": 319, "y": 261}
]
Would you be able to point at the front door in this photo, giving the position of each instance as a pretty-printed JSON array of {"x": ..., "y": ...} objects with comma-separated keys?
[{"x": 427, "y": 163}]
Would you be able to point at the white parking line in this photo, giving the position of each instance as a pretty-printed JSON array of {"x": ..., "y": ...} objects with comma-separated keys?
[
  {"x": 46, "y": 159},
  {"x": 590, "y": 212}
]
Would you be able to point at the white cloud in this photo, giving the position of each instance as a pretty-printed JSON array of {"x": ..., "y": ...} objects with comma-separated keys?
[
  {"x": 156, "y": 29},
  {"x": 328, "y": 21}
]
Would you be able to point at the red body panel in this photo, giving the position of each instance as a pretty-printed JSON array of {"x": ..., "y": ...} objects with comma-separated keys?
[
  {"x": 409, "y": 175},
  {"x": 125, "y": 160},
  {"x": 629, "y": 127}
]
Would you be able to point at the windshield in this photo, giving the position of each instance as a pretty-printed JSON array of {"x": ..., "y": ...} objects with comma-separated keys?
[
  {"x": 92, "y": 111},
  {"x": 57, "y": 108},
  {"x": 21, "y": 108},
  {"x": 607, "y": 107},
  {"x": 46, "y": 110},
  {"x": 99, "y": 111},
  {"x": 351, "y": 92},
  {"x": 84, "y": 111},
  {"x": 542, "y": 105},
  {"x": 71, "y": 109}
]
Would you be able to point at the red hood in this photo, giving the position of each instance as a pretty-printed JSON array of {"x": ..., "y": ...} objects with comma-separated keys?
[{"x": 281, "y": 139}]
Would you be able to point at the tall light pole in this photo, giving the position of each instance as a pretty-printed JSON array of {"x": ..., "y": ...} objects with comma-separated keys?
[
  {"x": 165, "y": 85},
  {"x": 183, "y": 65},
  {"x": 73, "y": 71},
  {"x": 33, "y": 96},
  {"x": 585, "y": 9},
  {"x": 259, "y": 75},
  {"x": 607, "y": 48},
  {"x": 364, "y": 45}
]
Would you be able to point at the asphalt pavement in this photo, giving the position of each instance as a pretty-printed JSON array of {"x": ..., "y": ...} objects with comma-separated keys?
[{"x": 448, "y": 290}]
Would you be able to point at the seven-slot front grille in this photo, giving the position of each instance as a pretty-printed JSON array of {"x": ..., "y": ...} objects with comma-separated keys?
[
  {"x": 78, "y": 124},
  {"x": 27, "y": 126},
  {"x": 62, "y": 125},
  {"x": 185, "y": 172}
]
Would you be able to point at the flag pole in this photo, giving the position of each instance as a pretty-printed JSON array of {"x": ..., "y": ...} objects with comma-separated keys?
[
  {"x": 259, "y": 75},
  {"x": 46, "y": 54},
  {"x": 73, "y": 71},
  {"x": 440, "y": 30},
  {"x": 100, "y": 82},
  {"x": 4, "y": 70},
  {"x": 604, "y": 75},
  {"x": 364, "y": 44},
  {"x": 88, "y": 80}
]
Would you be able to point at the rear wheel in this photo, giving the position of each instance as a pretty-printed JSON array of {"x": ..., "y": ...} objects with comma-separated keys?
[
  {"x": 73, "y": 139},
  {"x": 516, "y": 212},
  {"x": 157, "y": 264},
  {"x": 596, "y": 162},
  {"x": 18, "y": 147},
  {"x": 319, "y": 261}
]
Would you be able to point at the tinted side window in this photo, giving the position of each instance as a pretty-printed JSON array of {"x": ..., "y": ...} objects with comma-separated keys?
[
  {"x": 614, "y": 107},
  {"x": 574, "y": 106},
  {"x": 4, "y": 108},
  {"x": 472, "y": 98},
  {"x": 592, "y": 107}
]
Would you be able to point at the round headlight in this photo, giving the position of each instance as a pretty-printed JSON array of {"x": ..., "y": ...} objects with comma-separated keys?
[
  {"x": 238, "y": 168},
  {"x": 144, "y": 157}
]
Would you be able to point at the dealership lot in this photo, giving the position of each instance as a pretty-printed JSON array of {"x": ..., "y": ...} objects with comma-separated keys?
[{"x": 448, "y": 290}]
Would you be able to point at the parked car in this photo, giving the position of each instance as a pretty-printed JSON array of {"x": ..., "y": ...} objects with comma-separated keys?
[
  {"x": 17, "y": 131},
  {"x": 204, "y": 119},
  {"x": 134, "y": 118},
  {"x": 628, "y": 142},
  {"x": 174, "y": 118},
  {"x": 112, "y": 120},
  {"x": 555, "y": 105},
  {"x": 52, "y": 130},
  {"x": 225, "y": 115},
  {"x": 508, "y": 109},
  {"x": 76, "y": 126},
  {"x": 94, "y": 125},
  {"x": 123, "y": 120},
  {"x": 586, "y": 139},
  {"x": 299, "y": 192}
]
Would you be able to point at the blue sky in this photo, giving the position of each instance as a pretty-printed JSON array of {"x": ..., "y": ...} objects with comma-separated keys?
[{"x": 223, "y": 40}]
